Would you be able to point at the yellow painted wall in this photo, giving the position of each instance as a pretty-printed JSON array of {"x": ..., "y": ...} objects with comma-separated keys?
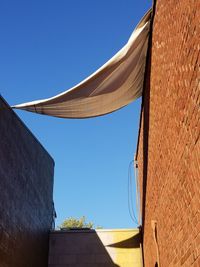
[{"x": 123, "y": 246}]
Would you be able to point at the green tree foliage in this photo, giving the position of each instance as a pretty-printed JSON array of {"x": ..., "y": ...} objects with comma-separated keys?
[{"x": 77, "y": 223}]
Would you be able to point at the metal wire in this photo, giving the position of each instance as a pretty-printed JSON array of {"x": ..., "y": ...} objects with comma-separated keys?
[{"x": 130, "y": 194}]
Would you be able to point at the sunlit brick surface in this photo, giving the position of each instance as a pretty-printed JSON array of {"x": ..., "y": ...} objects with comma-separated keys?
[{"x": 169, "y": 145}]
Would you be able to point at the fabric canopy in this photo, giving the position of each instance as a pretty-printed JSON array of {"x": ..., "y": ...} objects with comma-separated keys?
[{"x": 117, "y": 83}]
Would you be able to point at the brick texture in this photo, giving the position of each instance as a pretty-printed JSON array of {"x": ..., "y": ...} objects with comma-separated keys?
[
  {"x": 169, "y": 146},
  {"x": 26, "y": 188}
]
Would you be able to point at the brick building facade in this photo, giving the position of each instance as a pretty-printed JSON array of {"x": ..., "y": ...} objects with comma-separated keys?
[
  {"x": 168, "y": 146},
  {"x": 26, "y": 194}
]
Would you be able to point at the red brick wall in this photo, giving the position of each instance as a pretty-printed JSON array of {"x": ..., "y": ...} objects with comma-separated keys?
[{"x": 169, "y": 145}]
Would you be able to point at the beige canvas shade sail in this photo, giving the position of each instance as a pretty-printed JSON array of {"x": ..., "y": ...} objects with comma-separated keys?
[{"x": 117, "y": 83}]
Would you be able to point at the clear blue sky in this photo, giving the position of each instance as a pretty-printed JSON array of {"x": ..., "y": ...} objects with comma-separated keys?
[{"x": 47, "y": 46}]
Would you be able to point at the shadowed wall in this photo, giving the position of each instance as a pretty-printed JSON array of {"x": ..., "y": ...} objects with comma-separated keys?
[
  {"x": 90, "y": 248},
  {"x": 26, "y": 188},
  {"x": 169, "y": 145}
]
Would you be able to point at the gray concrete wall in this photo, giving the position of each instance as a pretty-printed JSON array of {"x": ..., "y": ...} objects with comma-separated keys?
[
  {"x": 100, "y": 248},
  {"x": 26, "y": 194}
]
